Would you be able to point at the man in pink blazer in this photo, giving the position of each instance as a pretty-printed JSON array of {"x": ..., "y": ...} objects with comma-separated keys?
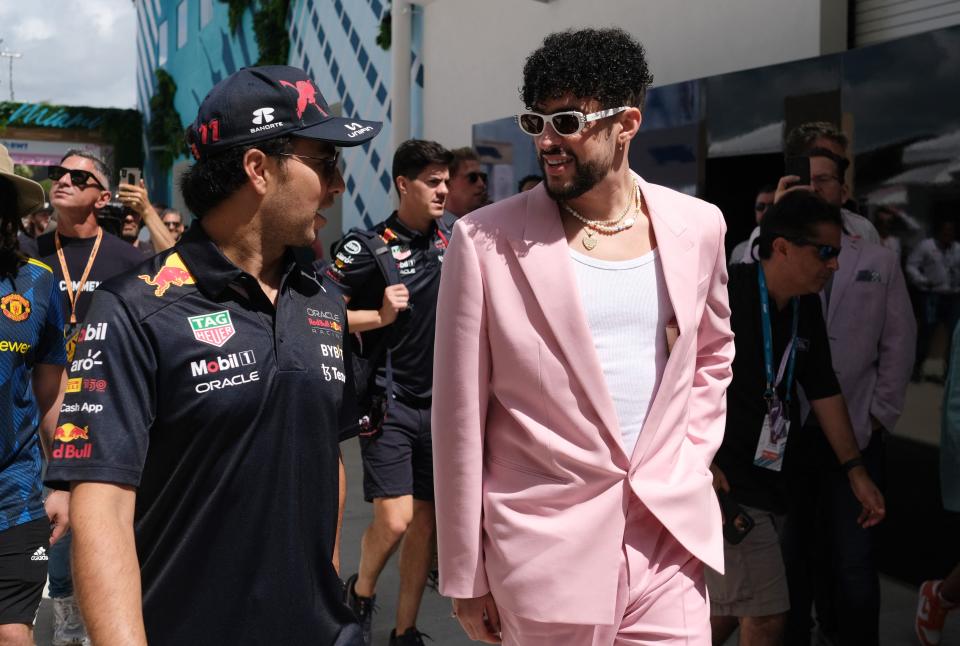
[{"x": 583, "y": 350}]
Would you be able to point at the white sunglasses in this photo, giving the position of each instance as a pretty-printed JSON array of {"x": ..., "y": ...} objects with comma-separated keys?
[{"x": 564, "y": 124}]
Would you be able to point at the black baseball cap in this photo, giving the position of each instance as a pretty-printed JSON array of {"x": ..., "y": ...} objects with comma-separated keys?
[{"x": 258, "y": 103}]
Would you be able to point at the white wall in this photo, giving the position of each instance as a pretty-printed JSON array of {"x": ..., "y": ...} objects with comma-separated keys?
[{"x": 474, "y": 50}]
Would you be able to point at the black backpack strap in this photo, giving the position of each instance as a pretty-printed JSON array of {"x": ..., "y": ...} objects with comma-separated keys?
[{"x": 380, "y": 251}]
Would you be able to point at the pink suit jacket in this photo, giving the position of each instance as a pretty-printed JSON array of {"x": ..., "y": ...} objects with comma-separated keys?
[{"x": 532, "y": 482}]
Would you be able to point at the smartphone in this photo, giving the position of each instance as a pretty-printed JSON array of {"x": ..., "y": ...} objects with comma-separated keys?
[
  {"x": 799, "y": 166},
  {"x": 130, "y": 176},
  {"x": 736, "y": 522}
]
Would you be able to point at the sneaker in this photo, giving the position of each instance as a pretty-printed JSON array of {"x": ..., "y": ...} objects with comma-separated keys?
[
  {"x": 363, "y": 608},
  {"x": 412, "y": 637},
  {"x": 68, "y": 628},
  {"x": 931, "y": 613}
]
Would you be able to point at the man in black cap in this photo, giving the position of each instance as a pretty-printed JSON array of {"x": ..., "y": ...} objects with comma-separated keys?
[{"x": 201, "y": 439}]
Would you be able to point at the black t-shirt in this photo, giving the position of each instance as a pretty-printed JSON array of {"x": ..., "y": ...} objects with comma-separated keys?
[
  {"x": 746, "y": 407},
  {"x": 224, "y": 412},
  {"x": 419, "y": 258},
  {"x": 114, "y": 257}
]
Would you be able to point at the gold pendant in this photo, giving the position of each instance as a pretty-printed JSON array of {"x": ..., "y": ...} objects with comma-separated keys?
[{"x": 589, "y": 242}]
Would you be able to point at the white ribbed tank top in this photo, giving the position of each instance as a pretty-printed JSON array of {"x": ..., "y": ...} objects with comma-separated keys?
[{"x": 627, "y": 310}]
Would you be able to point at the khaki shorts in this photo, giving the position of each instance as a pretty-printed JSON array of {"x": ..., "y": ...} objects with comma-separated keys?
[{"x": 755, "y": 583}]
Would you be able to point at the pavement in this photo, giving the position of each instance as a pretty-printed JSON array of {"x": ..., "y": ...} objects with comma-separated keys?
[{"x": 917, "y": 430}]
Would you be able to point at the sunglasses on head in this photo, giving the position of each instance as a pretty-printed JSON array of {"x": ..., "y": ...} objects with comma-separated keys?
[
  {"x": 824, "y": 251},
  {"x": 78, "y": 178},
  {"x": 328, "y": 163},
  {"x": 476, "y": 175},
  {"x": 565, "y": 123}
]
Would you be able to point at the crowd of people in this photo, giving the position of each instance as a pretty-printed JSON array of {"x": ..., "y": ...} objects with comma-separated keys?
[{"x": 571, "y": 406}]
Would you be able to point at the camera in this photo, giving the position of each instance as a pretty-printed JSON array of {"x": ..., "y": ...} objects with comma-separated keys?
[{"x": 110, "y": 216}]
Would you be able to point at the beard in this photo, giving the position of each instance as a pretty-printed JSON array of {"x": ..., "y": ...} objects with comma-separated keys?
[{"x": 586, "y": 175}]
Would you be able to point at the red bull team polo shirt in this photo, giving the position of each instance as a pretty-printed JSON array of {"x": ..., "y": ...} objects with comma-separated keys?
[
  {"x": 223, "y": 411},
  {"x": 419, "y": 258}
]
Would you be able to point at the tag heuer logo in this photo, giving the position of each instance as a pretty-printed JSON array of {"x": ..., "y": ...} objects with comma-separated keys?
[
  {"x": 214, "y": 328},
  {"x": 262, "y": 115}
]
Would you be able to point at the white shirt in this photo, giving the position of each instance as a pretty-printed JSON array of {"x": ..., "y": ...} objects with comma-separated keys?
[
  {"x": 933, "y": 269},
  {"x": 627, "y": 310}
]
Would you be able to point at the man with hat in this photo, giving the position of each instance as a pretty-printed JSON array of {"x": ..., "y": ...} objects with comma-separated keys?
[
  {"x": 32, "y": 362},
  {"x": 201, "y": 443}
]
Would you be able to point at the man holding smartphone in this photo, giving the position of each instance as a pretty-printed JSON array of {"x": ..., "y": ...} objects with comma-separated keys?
[
  {"x": 820, "y": 149},
  {"x": 132, "y": 192},
  {"x": 872, "y": 335},
  {"x": 781, "y": 342}
]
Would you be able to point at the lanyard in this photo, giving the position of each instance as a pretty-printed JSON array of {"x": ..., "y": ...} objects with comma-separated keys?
[
  {"x": 791, "y": 350},
  {"x": 86, "y": 272}
]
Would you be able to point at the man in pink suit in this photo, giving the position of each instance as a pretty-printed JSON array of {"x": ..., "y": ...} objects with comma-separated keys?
[{"x": 582, "y": 353}]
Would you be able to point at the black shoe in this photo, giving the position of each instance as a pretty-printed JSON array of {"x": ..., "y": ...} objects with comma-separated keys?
[
  {"x": 363, "y": 608},
  {"x": 412, "y": 637}
]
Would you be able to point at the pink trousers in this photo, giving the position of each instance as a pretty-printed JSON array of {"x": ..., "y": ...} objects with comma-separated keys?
[{"x": 661, "y": 597}]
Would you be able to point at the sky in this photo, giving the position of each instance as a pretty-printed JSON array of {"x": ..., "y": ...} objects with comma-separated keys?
[{"x": 75, "y": 52}]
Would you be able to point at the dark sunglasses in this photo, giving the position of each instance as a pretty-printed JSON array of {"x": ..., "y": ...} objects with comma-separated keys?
[
  {"x": 78, "y": 178},
  {"x": 565, "y": 123},
  {"x": 328, "y": 164},
  {"x": 826, "y": 252},
  {"x": 476, "y": 175}
]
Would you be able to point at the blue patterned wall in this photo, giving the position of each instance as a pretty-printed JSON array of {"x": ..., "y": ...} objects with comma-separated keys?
[
  {"x": 211, "y": 52},
  {"x": 335, "y": 42}
]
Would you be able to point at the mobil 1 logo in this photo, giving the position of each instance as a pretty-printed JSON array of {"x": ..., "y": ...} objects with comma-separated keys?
[{"x": 222, "y": 363}]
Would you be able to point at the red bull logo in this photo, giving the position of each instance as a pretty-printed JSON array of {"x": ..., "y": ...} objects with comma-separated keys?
[
  {"x": 65, "y": 435},
  {"x": 70, "y": 432},
  {"x": 63, "y": 438},
  {"x": 321, "y": 323},
  {"x": 306, "y": 96},
  {"x": 173, "y": 272}
]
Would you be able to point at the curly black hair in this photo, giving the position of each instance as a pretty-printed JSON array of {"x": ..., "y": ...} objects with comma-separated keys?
[{"x": 604, "y": 64}]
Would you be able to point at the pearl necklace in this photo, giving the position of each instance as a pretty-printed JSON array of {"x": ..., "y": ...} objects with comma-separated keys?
[{"x": 622, "y": 223}]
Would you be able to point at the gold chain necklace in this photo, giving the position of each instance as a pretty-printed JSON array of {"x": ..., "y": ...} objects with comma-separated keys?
[{"x": 622, "y": 223}]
